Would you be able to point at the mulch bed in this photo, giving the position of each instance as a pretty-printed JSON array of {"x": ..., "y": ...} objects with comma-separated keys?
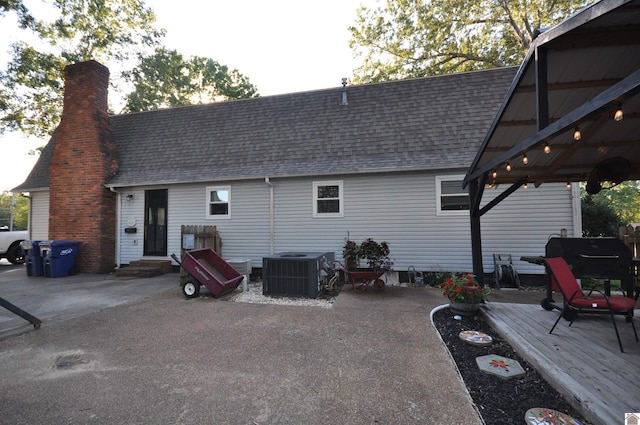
[{"x": 500, "y": 401}]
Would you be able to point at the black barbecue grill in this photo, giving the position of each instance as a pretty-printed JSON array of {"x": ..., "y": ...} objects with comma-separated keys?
[{"x": 595, "y": 258}]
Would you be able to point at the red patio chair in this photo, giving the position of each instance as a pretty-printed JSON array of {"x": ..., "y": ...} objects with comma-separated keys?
[{"x": 576, "y": 301}]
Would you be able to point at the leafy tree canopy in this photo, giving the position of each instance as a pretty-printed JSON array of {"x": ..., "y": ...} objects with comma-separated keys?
[
  {"x": 598, "y": 218},
  {"x": 623, "y": 199},
  {"x": 24, "y": 16},
  {"x": 167, "y": 79},
  {"x": 14, "y": 207},
  {"x": 104, "y": 30},
  {"x": 416, "y": 38}
]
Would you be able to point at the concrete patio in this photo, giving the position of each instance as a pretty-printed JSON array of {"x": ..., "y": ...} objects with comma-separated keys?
[{"x": 159, "y": 358}]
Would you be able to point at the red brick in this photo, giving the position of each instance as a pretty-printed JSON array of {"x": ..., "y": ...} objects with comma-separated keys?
[{"x": 84, "y": 158}]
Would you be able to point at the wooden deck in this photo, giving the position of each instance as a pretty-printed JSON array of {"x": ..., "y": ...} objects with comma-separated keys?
[{"x": 583, "y": 362}]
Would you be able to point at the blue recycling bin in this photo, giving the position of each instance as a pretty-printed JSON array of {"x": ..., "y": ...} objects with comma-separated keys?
[
  {"x": 59, "y": 257},
  {"x": 32, "y": 258}
]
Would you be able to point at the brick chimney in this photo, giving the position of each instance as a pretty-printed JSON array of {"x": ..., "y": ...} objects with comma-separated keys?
[{"x": 84, "y": 158}]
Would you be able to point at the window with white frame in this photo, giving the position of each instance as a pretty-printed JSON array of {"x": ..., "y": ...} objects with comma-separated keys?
[
  {"x": 327, "y": 199},
  {"x": 451, "y": 198},
  {"x": 218, "y": 202}
]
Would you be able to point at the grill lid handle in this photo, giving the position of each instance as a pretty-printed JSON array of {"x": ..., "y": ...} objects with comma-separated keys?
[{"x": 600, "y": 257}]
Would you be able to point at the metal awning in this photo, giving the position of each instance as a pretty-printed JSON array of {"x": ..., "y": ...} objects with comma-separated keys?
[{"x": 575, "y": 76}]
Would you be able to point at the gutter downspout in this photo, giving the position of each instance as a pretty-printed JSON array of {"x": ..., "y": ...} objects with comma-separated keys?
[
  {"x": 118, "y": 222},
  {"x": 576, "y": 207},
  {"x": 272, "y": 219}
]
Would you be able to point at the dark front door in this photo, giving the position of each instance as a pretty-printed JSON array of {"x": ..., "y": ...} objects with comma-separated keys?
[{"x": 155, "y": 222}]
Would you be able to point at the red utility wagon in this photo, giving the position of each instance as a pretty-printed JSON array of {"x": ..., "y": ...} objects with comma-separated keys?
[
  {"x": 361, "y": 279},
  {"x": 207, "y": 268}
]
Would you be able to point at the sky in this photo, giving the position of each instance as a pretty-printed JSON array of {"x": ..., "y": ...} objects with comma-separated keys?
[{"x": 282, "y": 46}]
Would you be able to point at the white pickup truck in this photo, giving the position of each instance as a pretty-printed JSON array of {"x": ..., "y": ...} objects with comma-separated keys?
[{"x": 10, "y": 245}]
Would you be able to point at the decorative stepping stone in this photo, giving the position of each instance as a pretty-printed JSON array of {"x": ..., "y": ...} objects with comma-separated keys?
[
  {"x": 476, "y": 338},
  {"x": 499, "y": 366},
  {"x": 541, "y": 415}
]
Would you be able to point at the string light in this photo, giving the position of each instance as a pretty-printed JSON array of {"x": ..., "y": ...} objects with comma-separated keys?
[
  {"x": 525, "y": 160},
  {"x": 508, "y": 167},
  {"x": 619, "y": 114},
  {"x": 495, "y": 174},
  {"x": 576, "y": 134},
  {"x": 547, "y": 148},
  {"x": 568, "y": 185},
  {"x": 526, "y": 186}
]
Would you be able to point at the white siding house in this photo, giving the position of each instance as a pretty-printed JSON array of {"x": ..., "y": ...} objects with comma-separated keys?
[
  {"x": 304, "y": 172},
  {"x": 401, "y": 209}
]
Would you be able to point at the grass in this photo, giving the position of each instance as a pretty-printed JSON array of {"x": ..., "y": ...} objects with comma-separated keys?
[{"x": 588, "y": 284}]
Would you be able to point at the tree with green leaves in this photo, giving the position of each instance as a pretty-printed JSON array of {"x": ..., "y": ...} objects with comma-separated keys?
[
  {"x": 32, "y": 85},
  {"x": 598, "y": 218},
  {"x": 623, "y": 199},
  {"x": 16, "y": 208},
  {"x": 24, "y": 16},
  {"x": 166, "y": 79},
  {"x": 416, "y": 38}
]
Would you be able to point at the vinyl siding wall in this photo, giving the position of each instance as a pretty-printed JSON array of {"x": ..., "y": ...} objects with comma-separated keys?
[
  {"x": 39, "y": 216},
  {"x": 245, "y": 235},
  {"x": 397, "y": 208}
]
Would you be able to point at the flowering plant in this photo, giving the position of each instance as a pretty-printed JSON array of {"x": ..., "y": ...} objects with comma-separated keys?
[{"x": 463, "y": 288}]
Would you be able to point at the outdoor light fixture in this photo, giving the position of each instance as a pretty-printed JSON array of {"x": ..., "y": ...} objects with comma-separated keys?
[
  {"x": 525, "y": 160},
  {"x": 129, "y": 197},
  {"x": 547, "y": 148},
  {"x": 576, "y": 134},
  {"x": 508, "y": 167},
  {"x": 495, "y": 174},
  {"x": 619, "y": 114}
]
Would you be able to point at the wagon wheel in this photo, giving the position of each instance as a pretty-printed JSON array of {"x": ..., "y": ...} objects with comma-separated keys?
[
  {"x": 360, "y": 287},
  {"x": 379, "y": 284},
  {"x": 190, "y": 289}
]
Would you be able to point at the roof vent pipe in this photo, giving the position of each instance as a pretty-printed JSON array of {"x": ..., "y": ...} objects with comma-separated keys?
[{"x": 344, "y": 92}]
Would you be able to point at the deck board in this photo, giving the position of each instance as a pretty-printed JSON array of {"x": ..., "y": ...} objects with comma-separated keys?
[{"x": 583, "y": 362}]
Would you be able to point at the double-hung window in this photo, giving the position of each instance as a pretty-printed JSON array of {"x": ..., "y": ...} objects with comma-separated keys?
[
  {"x": 327, "y": 199},
  {"x": 451, "y": 198},
  {"x": 218, "y": 202}
]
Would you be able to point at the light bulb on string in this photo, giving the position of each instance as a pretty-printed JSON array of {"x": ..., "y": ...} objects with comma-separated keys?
[
  {"x": 525, "y": 159},
  {"x": 547, "y": 148},
  {"x": 619, "y": 115}
]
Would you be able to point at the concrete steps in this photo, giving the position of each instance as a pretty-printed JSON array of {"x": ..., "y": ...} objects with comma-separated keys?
[{"x": 145, "y": 268}]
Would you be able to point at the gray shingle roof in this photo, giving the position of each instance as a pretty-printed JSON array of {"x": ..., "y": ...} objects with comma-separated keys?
[{"x": 415, "y": 124}]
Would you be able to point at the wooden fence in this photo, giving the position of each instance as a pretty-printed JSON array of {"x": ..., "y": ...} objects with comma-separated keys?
[
  {"x": 630, "y": 235},
  {"x": 198, "y": 237}
]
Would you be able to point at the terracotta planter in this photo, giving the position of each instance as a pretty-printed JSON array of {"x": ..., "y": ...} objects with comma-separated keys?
[{"x": 464, "y": 309}]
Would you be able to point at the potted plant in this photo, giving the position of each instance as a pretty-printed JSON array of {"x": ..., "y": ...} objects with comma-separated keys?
[
  {"x": 351, "y": 254},
  {"x": 464, "y": 293},
  {"x": 374, "y": 254}
]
